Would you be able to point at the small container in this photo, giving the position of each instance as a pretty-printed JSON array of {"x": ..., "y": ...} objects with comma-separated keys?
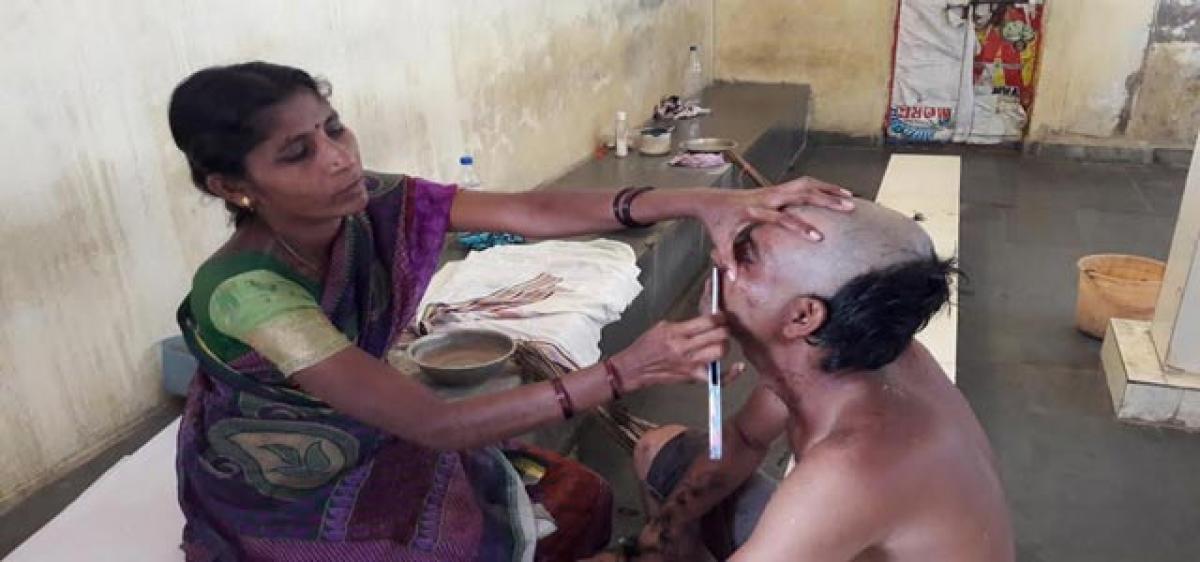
[
  {"x": 621, "y": 135},
  {"x": 1116, "y": 286},
  {"x": 655, "y": 141},
  {"x": 462, "y": 357}
]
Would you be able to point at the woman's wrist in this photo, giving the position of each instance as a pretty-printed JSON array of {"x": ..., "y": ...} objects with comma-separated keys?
[
  {"x": 625, "y": 373},
  {"x": 616, "y": 381},
  {"x": 695, "y": 200},
  {"x": 669, "y": 204}
]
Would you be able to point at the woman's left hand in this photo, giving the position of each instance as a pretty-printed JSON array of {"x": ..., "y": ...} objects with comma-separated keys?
[{"x": 729, "y": 211}]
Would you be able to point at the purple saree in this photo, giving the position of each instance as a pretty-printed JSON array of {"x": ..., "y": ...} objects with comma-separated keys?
[{"x": 267, "y": 472}]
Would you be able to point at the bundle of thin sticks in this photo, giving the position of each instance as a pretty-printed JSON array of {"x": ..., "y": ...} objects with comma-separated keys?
[{"x": 542, "y": 361}]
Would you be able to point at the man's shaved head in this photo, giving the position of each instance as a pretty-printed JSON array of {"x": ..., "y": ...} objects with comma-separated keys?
[
  {"x": 875, "y": 276},
  {"x": 871, "y": 238}
]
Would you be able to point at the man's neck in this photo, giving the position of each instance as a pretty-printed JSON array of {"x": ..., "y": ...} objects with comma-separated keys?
[{"x": 815, "y": 398}]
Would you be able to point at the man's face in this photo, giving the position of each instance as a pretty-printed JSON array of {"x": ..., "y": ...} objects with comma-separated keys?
[
  {"x": 777, "y": 267},
  {"x": 765, "y": 281}
]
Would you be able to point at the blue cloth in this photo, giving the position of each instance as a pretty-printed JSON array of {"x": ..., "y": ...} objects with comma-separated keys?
[{"x": 484, "y": 240}]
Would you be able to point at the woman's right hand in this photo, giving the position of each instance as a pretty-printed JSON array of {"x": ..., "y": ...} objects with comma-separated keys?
[{"x": 673, "y": 352}]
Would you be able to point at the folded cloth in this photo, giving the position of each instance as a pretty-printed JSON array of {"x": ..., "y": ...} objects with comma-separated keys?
[
  {"x": 672, "y": 108},
  {"x": 561, "y": 293},
  {"x": 697, "y": 160}
]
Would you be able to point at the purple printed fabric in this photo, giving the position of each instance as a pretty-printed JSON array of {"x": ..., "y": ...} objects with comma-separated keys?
[{"x": 268, "y": 473}]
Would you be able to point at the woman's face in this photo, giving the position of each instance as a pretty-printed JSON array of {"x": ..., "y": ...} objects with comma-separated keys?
[{"x": 308, "y": 167}]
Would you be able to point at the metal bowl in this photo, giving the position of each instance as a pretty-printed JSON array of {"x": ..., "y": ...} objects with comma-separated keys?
[
  {"x": 462, "y": 357},
  {"x": 708, "y": 145}
]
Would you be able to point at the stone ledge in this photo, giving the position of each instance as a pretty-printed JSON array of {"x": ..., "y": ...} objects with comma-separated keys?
[{"x": 1143, "y": 390}]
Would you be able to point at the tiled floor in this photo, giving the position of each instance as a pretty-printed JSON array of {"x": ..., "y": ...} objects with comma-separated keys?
[{"x": 1082, "y": 486}]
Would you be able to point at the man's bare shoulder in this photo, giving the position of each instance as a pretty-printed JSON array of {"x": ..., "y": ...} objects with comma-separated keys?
[
  {"x": 836, "y": 500},
  {"x": 852, "y": 458}
]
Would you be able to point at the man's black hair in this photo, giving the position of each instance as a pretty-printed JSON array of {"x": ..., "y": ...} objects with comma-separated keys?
[{"x": 873, "y": 317}]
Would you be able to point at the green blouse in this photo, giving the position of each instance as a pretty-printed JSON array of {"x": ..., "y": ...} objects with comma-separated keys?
[{"x": 253, "y": 301}]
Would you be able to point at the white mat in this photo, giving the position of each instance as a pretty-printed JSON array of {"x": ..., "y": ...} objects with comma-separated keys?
[
  {"x": 129, "y": 514},
  {"x": 929, "y": 185}
]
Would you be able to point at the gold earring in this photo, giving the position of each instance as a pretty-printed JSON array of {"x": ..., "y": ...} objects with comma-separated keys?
[{"x": 245, "y": 202}]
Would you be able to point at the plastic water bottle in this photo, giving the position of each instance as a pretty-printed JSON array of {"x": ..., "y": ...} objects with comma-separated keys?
[
  {"x": 621, "y": 135},
  {"x": 693, "y": 77},
  {"x": 467, "y": 178}
]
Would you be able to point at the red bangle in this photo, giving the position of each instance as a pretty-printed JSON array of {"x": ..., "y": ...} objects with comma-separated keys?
[
  {"x": 564, "y": 399},
  {"x": 614, "y": 378}
]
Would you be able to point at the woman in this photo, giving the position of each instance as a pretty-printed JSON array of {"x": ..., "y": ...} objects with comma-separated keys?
[{"x": 298, "y": 442}]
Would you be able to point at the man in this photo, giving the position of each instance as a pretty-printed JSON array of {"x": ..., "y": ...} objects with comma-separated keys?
[{"x": 891, "y": 462}]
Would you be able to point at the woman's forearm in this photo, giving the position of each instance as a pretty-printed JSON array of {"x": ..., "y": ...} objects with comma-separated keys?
[
  {"x": 488, "y": 419},
  {"x": 364, "y": 388},
  {"x": 558, "y": 213},
  {"x": 361, "y": 386}
]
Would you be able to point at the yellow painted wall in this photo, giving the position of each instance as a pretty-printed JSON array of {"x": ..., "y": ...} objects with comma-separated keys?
[
  {"x": 1107, "y": 79},
  {"x": 1102, "y": 80},
  {"x": 101, "y": 230},
  {"x": 1091, "y": 47},
  {"x": 841, "y": 48},
  {"x": 1166, "y": 110}
]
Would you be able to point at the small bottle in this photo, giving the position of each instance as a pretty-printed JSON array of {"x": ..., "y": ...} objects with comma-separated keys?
[
  {"x": 467, "y": 178},
  {"x": 693, "y": 77},
  {"x": 621, "y": 135}
]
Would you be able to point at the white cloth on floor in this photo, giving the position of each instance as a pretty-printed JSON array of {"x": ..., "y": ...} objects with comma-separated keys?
[
  {"x": 560, "y": 292},
  {"x": 131, "y": 513}
]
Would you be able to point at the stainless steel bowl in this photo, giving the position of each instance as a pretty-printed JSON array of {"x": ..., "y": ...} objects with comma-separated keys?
[
  {"x": 462, "y": 357},
  {"x": 709, "y": 144}
]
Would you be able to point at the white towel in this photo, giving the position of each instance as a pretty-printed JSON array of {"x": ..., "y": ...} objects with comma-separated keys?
[{"x": 559, "y": 292}]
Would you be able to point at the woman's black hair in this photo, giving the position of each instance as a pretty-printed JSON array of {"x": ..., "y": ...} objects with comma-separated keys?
[
  {"x": 873, "y": 317},
  {"x": 215, "y": 116}
]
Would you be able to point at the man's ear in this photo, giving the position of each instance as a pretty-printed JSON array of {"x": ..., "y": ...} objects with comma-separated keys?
[
  {"x": 230, "y": 189},
  {"x": 802, "y": 317}
]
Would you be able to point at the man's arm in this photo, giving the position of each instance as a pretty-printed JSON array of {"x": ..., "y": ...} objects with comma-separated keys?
[
  {"x": 826, "y": 509},
  {"x": 748, "y": 437}
]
